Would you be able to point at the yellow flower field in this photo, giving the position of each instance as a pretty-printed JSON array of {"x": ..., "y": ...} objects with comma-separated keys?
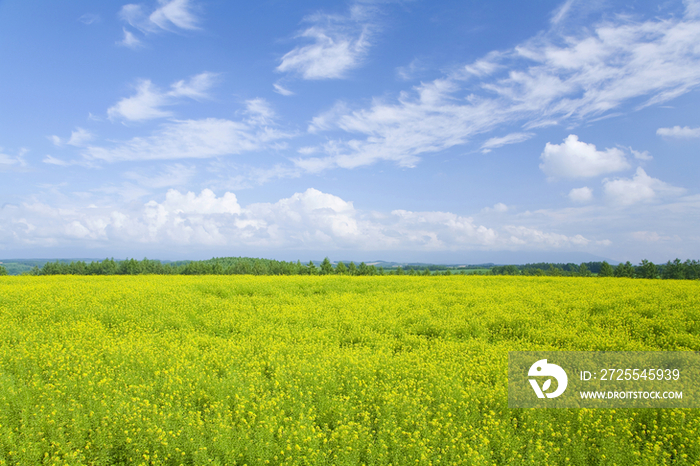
[{"x": 324, "y": 370}]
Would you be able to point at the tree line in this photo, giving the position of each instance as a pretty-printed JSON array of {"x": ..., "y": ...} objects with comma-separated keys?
[
  {"x": 688, "y": 270},
  {"x": 215, "y": 266},
  {"x": 676, "y": 270}
]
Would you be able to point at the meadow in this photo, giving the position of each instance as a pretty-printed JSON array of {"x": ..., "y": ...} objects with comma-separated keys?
[{"x": 325, "y": 370}]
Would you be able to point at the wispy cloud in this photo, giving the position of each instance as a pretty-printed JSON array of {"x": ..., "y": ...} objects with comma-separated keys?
[
  {"x": 78, "y": 138},
  {"x": 512, "y": 138},
  {"x": 550, "y": 79},
  {"x": 678, "y": 132},
  {"x": 148, "y": 102},
  {"x": 129, "y": 40},
  {"x": 89, "y": 18},
  {"x": 339, "y": 44},
  {"x": 197, "y": 139},
  {"x": 169, "y": 15},
  {"x": 12, "y": 162},
  {"x": 410, "y": 71},
  {"x": 561, "y": 12},
  {"x": 172, "y": 175},
  {"x": 282, "y": 90}
]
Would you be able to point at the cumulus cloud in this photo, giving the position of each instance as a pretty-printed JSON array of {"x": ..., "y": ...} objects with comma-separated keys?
[
  {"x": 499, "y": 207},
  {"x": 148, "y": 102},
  {"x": 641, "y": 155},
  {"x": 651, "y": 236},
  {"x": 338, "y": 45},
  {"x": 577, "y": 159},
  {"x": 584, "y": 194},
  {"x": 553, "y": 78},
  {"x": 309, "y": 220},
  {"x": 640, "y": 188},
  {"x": 512, "y": 138},
  {"x": 523, "y": 235},
  {"x": 678, "y": 132}
]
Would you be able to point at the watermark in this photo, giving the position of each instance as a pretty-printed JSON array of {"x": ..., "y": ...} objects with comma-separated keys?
[{"x": 604, "y": 379}]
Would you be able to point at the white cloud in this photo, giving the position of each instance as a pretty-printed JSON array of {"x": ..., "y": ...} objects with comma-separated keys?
[
  {"x": 339, "y": 44},
  {"x": 78, "y": 138},
  {"x": 584, "y": 194},
  {"x": 650, "y": 236},
  {"x": 561, "y": 12},
  {"x": 282, "y": 90},
  {"x": 148, "y": 102},
  {"x": 309, "y": 220},
  {"x": 145, "y": 105},
  {"x": 524, "y": 235},
  {"x": 499, "y": 207},
  {"x": 678, "y": 132},
  {"x": 129, "y": 40},
  {"x": 173, "y": 175},
  {"x": 195, "y": 88},
  {"x": 259, "y": 111},
  {"x": 692, "y": 8},
  {"x": 641, "y": 155},
  {"x": 170, "y": 15},
  {"x": 409, "y": 72},
  {"x": 181, "y": 139},
  {"x": 12, "y": 162},
  {"x": 512, "y": 138},
  {"x": 89, "y": 18},
  {"x": 640, "y": 188},
  {"x": 550, "y": 79},
  {"x": 176, "y": 13},
  {"x": 576, "y": 159},
  {"x": 51, "y": 160}
]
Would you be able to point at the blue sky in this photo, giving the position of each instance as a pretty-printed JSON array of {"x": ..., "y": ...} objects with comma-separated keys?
[{"x": 444, "y": 131}]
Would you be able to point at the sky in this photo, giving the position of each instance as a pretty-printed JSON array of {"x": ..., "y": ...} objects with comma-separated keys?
[{"x": 451, "y": 131}]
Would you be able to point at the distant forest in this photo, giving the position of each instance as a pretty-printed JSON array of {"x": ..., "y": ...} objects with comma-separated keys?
[{"x": 688, "y": 270}]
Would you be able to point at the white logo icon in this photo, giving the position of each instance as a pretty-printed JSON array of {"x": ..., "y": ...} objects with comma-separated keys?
[{"x": 542, "y": 369}]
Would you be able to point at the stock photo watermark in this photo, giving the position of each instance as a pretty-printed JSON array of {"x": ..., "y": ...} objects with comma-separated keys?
[{"x": 603, "y": 379}]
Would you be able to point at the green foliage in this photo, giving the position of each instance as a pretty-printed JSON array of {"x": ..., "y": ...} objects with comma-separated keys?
[
  {"x": 647, "y": 269},
  {"x": 688, "y": 270},
  {"x": 606, "y": 270},
  {"x": 673, "y": 270},
  {"x": 3, "y": 270},
  {"x": 624, "y": 270},
  {"x": 583, "y": 271},
  {"x": 326, "y": 267}
]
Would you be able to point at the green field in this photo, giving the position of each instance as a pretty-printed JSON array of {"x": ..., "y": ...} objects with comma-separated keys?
[{"x": 324, "y": 370}]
